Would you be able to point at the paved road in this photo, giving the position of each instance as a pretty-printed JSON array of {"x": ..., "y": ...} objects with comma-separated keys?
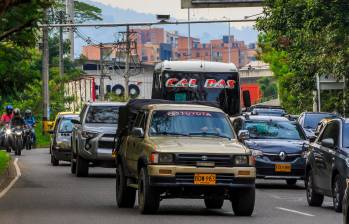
[{"x": 46, "y": 194}]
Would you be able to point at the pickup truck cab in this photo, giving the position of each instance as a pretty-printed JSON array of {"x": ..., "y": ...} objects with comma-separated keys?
[
  {"x": 181, "y": 150},
  {"x": 93, "y": 137}
]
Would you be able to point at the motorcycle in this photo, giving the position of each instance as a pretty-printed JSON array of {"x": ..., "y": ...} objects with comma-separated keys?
[
  {"x": 16, "y": 139},
  {"x": 29, "y": 137},
  {"x": 7, "y": 138}
]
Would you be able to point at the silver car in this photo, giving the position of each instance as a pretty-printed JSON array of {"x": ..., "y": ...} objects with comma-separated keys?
[
  {"x": 60, "y": 146},
  {"x": 93, "y": 137}
]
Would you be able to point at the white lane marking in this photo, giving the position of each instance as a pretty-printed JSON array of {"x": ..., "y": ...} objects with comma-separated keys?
[
  {"x": 294, "y": 211},
  {"x": 18, "y": 174}
]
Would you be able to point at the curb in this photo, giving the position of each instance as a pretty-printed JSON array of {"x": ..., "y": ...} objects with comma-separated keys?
[{"x": 10, "y": 177}]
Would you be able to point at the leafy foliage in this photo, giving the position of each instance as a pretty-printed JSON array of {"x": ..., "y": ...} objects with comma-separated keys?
[
  {"x": 303, "y": 38},
  {"x": 268, "y": 87},
  {"x": 19, "y": 20}
]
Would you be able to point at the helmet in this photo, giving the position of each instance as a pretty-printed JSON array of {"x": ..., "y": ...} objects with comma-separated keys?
[
  {"x": 28, "y": 113},
  {"x": 16, "y": 112},
  {"x": 9, "y": 109}
]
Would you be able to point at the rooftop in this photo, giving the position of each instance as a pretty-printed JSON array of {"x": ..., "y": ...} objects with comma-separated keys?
[{"x": 195, "y": 66}]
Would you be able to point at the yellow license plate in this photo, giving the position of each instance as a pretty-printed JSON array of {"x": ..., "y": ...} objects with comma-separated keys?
[
  {"x": 209, "y": 179},
  {"x": 283, "y": 168}
]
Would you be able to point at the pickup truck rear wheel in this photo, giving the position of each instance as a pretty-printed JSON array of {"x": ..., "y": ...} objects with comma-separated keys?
[
  {"x": 338, "y": 193},
  {"x": 54, "y": 161},
  {"x": 214, "y": 203},
  {"x": 148, "y": 197},
  {"x": 72, "y": 164},
  {"x": 81, "y": 167},
  {"x": 125, "y": 196},
  {"x": 314, "y": 199},
  {"x": 242, "y": 201}
]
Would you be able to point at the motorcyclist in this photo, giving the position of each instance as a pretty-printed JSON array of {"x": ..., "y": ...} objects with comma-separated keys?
[
  {"x": 29, "y": 118},
  {"x": 5, "y": 120},
  {"x": 30, "y": 121},
  {"x": 7, "y": 116},
  {"x": 17, "y": 119}
]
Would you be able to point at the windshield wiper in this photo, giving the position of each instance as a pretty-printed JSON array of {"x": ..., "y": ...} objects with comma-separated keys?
[
  {"x": 171, "y": 133},
  {"x": 209, "y": 134}
]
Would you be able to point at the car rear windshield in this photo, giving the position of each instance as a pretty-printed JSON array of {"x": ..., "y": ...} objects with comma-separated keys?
[
  {"x": 103, "y": 115},
  {"x": 66, "y": 125},
  {"x": 190, "y": 123},
  {"x": 274, "y": 130},
  {"x": 270, "y": 112},
  {"x": 311, "y": 121},
  {"x": 346, "y": 136}
]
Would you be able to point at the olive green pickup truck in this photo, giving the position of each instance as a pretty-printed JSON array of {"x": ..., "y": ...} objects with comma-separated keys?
[{"x": 167, "y": 150}]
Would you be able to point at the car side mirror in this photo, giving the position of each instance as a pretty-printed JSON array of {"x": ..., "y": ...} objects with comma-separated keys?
[
  {"x": 138, "y": 132},
  {"x": 328, "y": 142},
  {"x": 312, "y": 138},
  {"x": 243, "y": 135},
  {"x": 74, "y": 121}
]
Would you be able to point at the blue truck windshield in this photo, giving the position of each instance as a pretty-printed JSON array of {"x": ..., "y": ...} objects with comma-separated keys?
[{"x": 346, "y": 136}]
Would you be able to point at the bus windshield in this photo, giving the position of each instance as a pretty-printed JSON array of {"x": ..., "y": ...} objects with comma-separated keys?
[{"x": 219, "y": 88}]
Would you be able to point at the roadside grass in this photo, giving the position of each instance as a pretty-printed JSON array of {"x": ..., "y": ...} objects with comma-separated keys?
[
  {"x": 42, "y": 140},
  {"x": 4, "y": 161}
]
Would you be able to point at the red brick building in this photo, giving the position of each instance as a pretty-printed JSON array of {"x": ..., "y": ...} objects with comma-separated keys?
[{"x": 156, "y": 44}]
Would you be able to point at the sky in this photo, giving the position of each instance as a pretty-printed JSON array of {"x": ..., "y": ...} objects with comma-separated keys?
[{"x": 173, "y": 7}]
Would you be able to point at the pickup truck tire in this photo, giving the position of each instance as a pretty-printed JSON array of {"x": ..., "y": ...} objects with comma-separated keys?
[
  {"x": 314, "y": 199},
  {"x": 243, "y": 201},
  {"x": 125, "y": 196},
  {"x": 81, "y": 167},
  {"x": 72, "y": 164},
  {"x": 148, "y": 197},
  {"x": 338, "y": 188},
  {"x": 214, "y": 203},
  {"x": 54, "y": 161}
]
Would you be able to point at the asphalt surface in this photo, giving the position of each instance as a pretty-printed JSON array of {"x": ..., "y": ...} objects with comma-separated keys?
[{"x": 46, "y": 194}]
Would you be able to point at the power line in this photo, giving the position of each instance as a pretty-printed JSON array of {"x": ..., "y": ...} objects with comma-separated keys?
[{"x": 96, "y": 25}]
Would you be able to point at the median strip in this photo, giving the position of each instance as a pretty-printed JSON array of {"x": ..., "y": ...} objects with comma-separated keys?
[{"x": 295, "y": 212}]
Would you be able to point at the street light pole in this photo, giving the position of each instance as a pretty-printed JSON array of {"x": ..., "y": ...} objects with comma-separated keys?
[
  {"x": 189, "y": 50},
  {"x": 61, "y": 62},
  {"x": 101, "y": 74},
  {"x": 70, "y": 14},
  {"x": 45, "y": 75},
  {"x": 229, "y": 42},
  {"x": 127, "y": 64}
]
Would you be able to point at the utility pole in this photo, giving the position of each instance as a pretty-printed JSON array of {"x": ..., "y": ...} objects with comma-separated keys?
[
  {"x": 101, "y": 73},
  {"x": 229, "y": 42},
  {"x": 70, "y": 20},
  {"x": 61, "y": 62},
  {"x": 345, "y": 97},
  {"x": 127, "y": 63},
  {"x": 189, "y": 50},
  {"x": 45, "y": 74}
]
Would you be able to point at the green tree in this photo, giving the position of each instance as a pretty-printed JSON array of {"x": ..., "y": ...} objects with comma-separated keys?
[
  {"x": 303, "y": 38},
  {"x": 19, "y": 20},
  {"x": 268, "y": 87}
]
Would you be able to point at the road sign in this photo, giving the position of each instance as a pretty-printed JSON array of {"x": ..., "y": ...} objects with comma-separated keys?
[
  {"x": 220, "y": 3},
  {"x": 329, "y": 82}
]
